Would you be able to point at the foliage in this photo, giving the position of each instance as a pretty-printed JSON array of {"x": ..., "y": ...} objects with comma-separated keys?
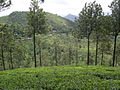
[
  {"x": 61, "y": 78},
  {"x": 88, "y": 22},
  {"x": 57, "y": 23},
  {"x": 115, "y": 8},
  {"x": 4, "y": 4}
]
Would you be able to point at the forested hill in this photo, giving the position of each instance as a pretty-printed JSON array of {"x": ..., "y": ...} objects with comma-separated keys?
[{"x": 57, "y": 23}]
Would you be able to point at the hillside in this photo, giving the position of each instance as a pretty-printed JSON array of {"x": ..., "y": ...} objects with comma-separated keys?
[
  {"x": 4, "y": 19},
  {"x": 61, "y": 78},
  {"x": 57, "y": 23},
  {"x": 71, "y": 17}
]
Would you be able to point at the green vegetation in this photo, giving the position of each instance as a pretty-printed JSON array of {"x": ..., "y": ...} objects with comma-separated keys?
[
  {"x": 58, "y": 41},
  {"x": 61, "y": 78},
  {"x": 38, "y": 39},
  {"x": 57, "y": 23},
  {"x": 4, "y": 19}
]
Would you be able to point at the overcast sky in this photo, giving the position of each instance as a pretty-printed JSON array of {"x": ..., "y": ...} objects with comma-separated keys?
[{"x": 60, "y": 7}]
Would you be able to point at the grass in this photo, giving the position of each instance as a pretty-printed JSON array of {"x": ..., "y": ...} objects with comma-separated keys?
[{"x": 61, "y": 78}]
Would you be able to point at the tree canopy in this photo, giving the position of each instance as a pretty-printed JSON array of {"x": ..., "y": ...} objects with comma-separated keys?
[{"x": 4, "y": 4}]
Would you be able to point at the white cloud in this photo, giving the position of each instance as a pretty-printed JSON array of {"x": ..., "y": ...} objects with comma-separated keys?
[
  {"x": 60, "y": 7},
  {"x": 64, "y": 7}
]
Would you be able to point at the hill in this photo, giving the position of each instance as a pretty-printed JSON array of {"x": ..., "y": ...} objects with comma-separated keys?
[
  {"x": 71, "y": 17},
  {"x": 57, "y": 23},
  {"x": 4, "y": 19},
  {"x": 61, "y": 78}
]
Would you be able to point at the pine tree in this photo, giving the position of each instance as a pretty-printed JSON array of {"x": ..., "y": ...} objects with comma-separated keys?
[
  {"x": 87, "y": 22},
  {"x": 37, "y": 20},
  {"x": 115, "y": 8}
]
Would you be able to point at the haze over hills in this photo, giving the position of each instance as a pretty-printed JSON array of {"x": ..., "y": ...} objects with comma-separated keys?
[
  {"x": 57, "y": 23},
  {"x": 71, "y": 17}
]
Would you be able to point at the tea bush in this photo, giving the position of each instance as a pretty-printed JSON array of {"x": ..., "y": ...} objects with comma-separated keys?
[{"x": 61, "y": 78}]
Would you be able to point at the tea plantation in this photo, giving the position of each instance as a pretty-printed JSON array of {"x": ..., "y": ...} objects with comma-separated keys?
[{"x": 61, "y": 78}]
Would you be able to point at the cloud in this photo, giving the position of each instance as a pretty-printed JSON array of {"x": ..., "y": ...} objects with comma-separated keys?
[
  {"x": 64, "y": 7},
  {"x": 60, "y": 7}
]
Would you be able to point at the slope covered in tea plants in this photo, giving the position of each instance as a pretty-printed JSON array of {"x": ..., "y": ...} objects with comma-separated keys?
[{"x": 61, "y": 78}]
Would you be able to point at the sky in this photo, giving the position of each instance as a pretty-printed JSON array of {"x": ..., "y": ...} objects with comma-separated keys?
[{"x": 60, "y": 7}]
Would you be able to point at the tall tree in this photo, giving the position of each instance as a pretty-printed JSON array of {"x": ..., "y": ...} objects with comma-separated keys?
[
  {"x": 10, "y": 41},
  {"x": 56, "y": 49},
  {"x": 2, "y": 43},
  {"x": 77, "y": 36},
  {"x": 7, "y": 43},
  {"x": 87, "y": 21},
  {"x": 115, "y": 8},
  {"x": 105, "y": 35},
  {"x": 39, "y": 41},
  {"x": 37, "y": 20},
  {"x": 104, "y": 44},
  {"x": 98, "y": 14},
  {"x": 118, "y": 53}
]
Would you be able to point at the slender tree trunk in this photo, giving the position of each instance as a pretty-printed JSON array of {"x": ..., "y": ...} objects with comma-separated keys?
[
  {"x": 102, "y": 58},
  {"x": 9, "y": 63},
  {"x": 96, "y": 56},
  {"x": 66, "y": 58},
  {"x": 40, "y": 55},
  {"x": 2, "y": 56},
  {"x": 77, "y": 45},
  {"x": 88, "y": 54},
  {"x": 116, "y": 60},
  {"x": 114, "y": 52},
  {"x": 56, "y": 56},
  {"x": 11, "y": 60},
  {"x": 70, "y": 57},
  {"x": 76, "y": 57},
  {"x": 34, "y": 40}
]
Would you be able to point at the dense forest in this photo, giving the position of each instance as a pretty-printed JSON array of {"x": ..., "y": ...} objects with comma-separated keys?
[{"x": 37, "y": 39}]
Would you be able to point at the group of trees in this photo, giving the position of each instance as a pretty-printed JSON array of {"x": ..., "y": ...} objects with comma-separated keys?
[
  {"x": 93, "y": 21},
  {"x": 10, "y": 47},
  {"x": 88, "y": 21},
  {"x": 17, "y": 49},
  {"x": 37, "y": 22}
]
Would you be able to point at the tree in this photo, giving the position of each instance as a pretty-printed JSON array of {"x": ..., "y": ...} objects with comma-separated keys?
[
  {"x": 37, "y": 20},
  {"x": 104, "y": 44},
  {"x": 118, "y": 53},
  {"x": 77, "y": 36},
  {"x": 39, "y": 41},
  {"x": 115, "y": 8},
  {"x": 4, "y": 4},
  {"x": 98, "y": 14},
  {"x": 105, "y": 35},
  {"x": 10, "y": 44},
  {"x": 56, "y": 49},
  {"x": 2, "y": 43},
  {"x": 87, "y": 21},
  {"x": 7, "y": 44}
]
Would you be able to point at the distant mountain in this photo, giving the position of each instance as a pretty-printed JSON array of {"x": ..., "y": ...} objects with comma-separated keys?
[
  {"x": 71, "y": 17},
  {"x": 57, "y": 23}
]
